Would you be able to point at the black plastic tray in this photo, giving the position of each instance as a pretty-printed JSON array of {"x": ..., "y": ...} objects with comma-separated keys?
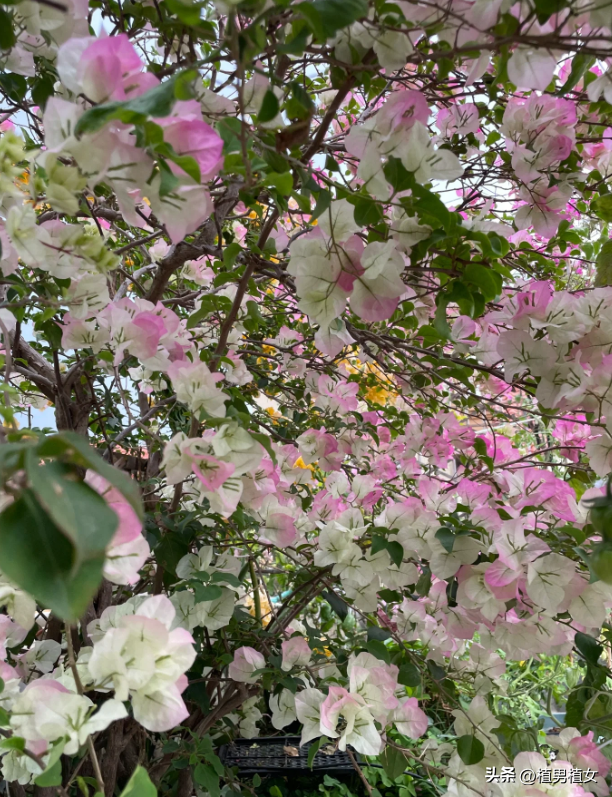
[{"x": 267, "y": 755}]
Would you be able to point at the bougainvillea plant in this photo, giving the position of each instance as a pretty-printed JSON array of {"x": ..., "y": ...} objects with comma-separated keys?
[{"x": 306, "y": 390}]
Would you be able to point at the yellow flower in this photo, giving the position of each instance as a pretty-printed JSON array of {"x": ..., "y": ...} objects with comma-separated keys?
[
  {"x": 299, "y": 463},
  {"x": 266, "y": 609},
  {"x": 377, "y": 394},
  {"x": 273, "y": 414}
]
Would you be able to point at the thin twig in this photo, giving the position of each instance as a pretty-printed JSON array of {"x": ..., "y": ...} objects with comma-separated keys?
[
  {"x": 8, "y": 361},
  {"x": 357, "y": 769},
  {"x": 79, "y": 685}
]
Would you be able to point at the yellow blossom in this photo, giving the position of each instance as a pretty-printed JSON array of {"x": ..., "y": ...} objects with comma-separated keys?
[
  {"x": 273, "y": 414},
  {"x": 299, "y": 463},
  {"x": 266, "y": 609}
]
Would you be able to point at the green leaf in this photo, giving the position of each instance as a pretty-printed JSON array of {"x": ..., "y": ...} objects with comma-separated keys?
[
  {"x": 380, "y": 634},
  {"x": 12, "y": 457},
  {"x": 488, "y": 281},
  {"x": 437, "y": 673},
  {"x": 209, "y": 592},
  {"x": 39, "y": 558},
  {"x": 156, "y": 102},
  {"x": 480, "y": 446},
  {"x": 314, "y": 749},
  {"x": 7, "y": 33},
  {"x": 53, "y": 333},
  {"x": 282, "y": 182},
  {"x": 189, "y": 14},
  {"x": 589, "y": 647},
  {"x": 254, "y": 313},
  {"x": 13, "y": 743},
  {"x": 209, "y": 305},
  {"x": 327, "y": 17},
  {"x": 602, "y": 207},
  {"x": 188, "y": 164},
  {"x": 394, "y": 762},
  {"x": 396, "y": 552},
  {"x": 14, "y": 86},
  {"x": 440, "y": 323},
  {"x": 226, "y": 578},
  {"x": 394, "y": 548},
  {"x": 230, "y": 255},
  {"x": 42, "y": 89},
  {"x": 204, "y": 775},
  {"x": 461, "y": 295},
  {"x": 397, "y": 174},
  {"x": 409, "y": 675},
  {"x": 297, "y": 44},
  {"x": 80, "y": 453},
  {"x": 499, "y": 247},
  {"x": 52, "y": 776},
  {"x": 446, "y": 537},
  {"x": 423, "y": 585},
  {"x": 139, "y": 785},
  {"x": 367, "y": 211},
  {"x": 470, "y": 749},
  {"x": 523, "y": 742},
  {"x": 266, "y": 442},
  {"x": 269, "y": 107},
  {"x": 169, "y": 182},
  {"x": 312, "y": 16},
  {"x": 574, "y": 707},
  {"x": 170, "y": 550},
  {"x": 184, "y": 84},
  {"x": 430, "y": 209},
  {"x": 581, "y": 64},
  {"x": 337, "y": 604},
  {"x": 323, "y": 202},
  {"x": 604, "y": 266},
  {"x": 379, "y": 649},
  {"x": 290, "y": 683},
  {"x": 546, "y": 8},
  {"x": 302, "y": 105},
  {"x": 75, "y": 508},
  {"x": 390, "y": 595}
]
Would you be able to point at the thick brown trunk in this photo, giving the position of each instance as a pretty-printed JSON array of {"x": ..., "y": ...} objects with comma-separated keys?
[
  {"x": 110, "y": 762},
  {"x": 70, "y": 415},
  {"x": 185, "y": 783}
]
